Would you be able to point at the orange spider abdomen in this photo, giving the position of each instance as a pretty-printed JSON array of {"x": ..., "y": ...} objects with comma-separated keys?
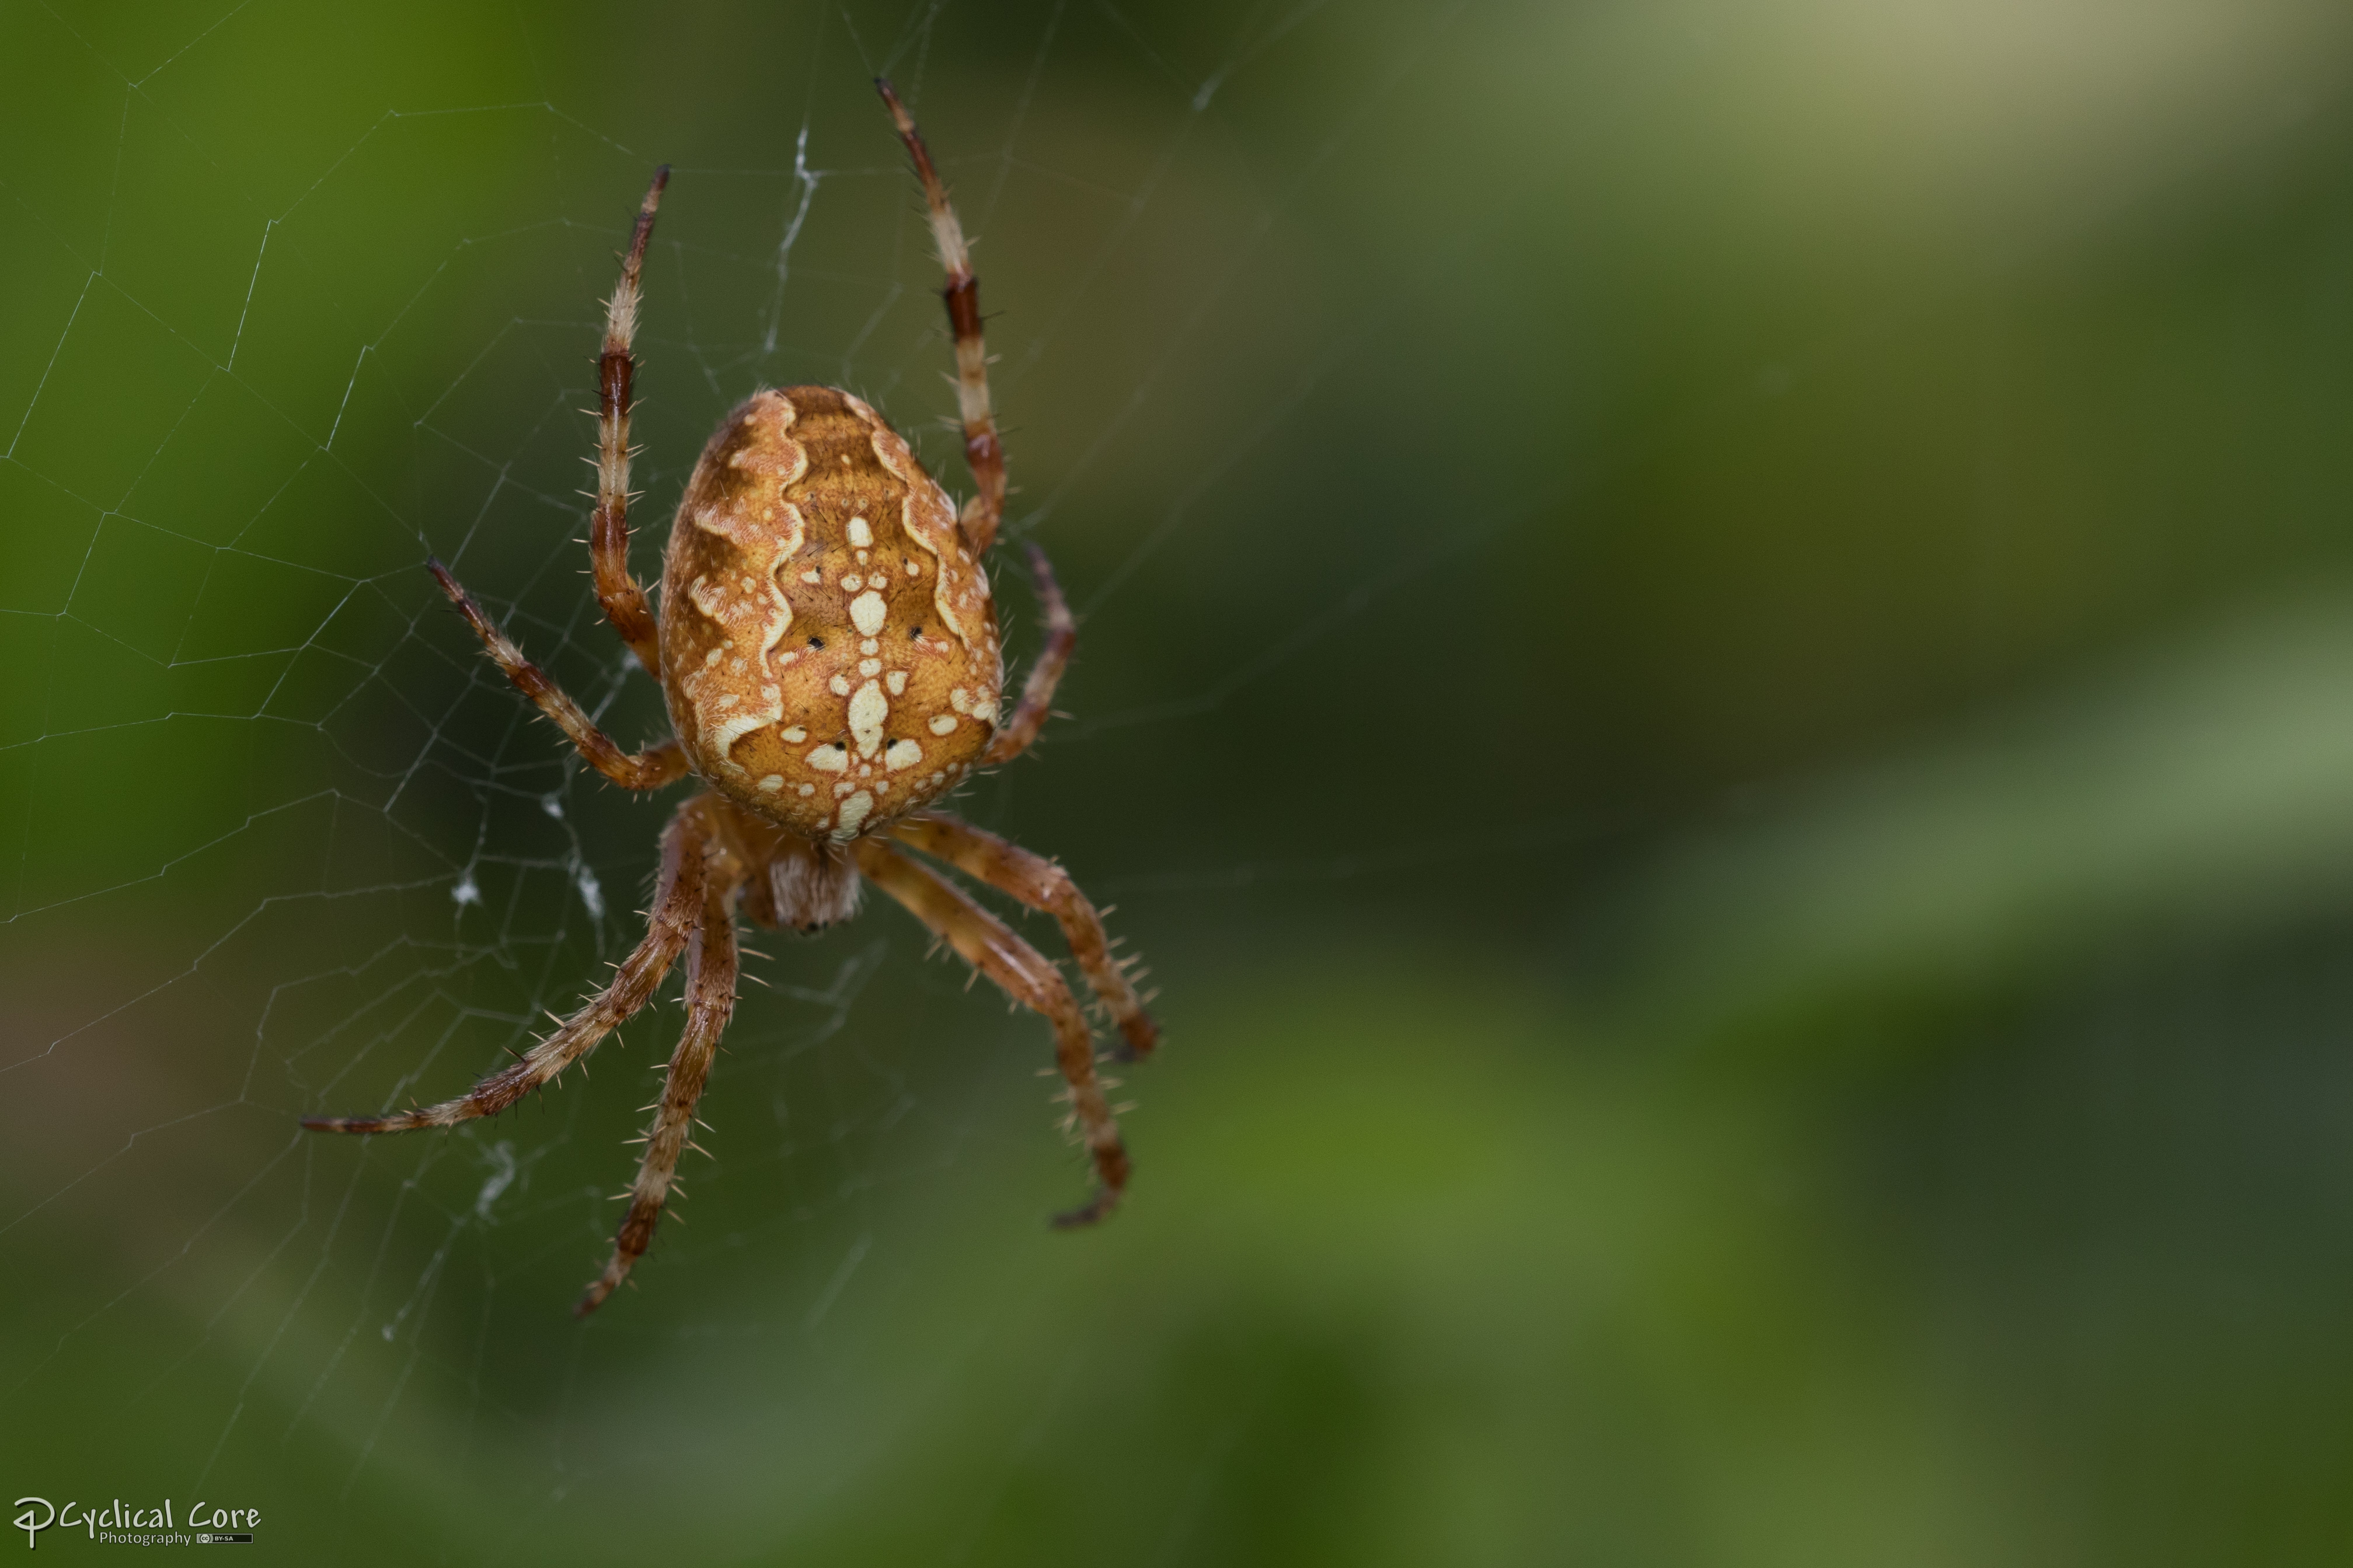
[{"x": 829, "y": 646}]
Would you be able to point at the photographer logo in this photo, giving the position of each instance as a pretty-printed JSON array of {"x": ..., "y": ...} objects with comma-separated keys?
[{"x": 120, "y": 1523}]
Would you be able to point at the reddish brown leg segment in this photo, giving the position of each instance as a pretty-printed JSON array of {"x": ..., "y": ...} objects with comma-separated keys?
[
  {"x": 982, "y": 451},
  {"x": 678, "y": 902},
  {"x": 608, "y": 525},
  {"x": 985, "y": 942},
  {"x": 710, "y": 1000},
  {"x": 1042, "y": 885},
  {"x": 649, "y": 769},
  {"x": 1021, "y": 726}
]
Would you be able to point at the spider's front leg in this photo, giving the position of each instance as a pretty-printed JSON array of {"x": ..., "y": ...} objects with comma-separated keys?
[
  {"x": 1042, "y": 885},
  {"x": 1022, "y": 972},
  {"x": 678, "y": 903},
  {"x": 711, "y": 965}
]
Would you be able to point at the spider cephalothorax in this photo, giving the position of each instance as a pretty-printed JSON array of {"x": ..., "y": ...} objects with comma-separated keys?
[{"x": 828, "y": 651}]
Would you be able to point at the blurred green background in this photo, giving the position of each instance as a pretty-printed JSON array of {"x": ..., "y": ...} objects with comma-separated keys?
[{"x": 1717, "y": 676}]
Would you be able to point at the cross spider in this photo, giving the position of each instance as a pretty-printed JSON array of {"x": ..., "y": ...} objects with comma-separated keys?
[{"x": 827, "y": 649}]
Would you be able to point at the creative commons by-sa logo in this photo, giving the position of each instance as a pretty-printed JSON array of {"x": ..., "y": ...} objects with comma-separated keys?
[{"x": 118, "y": 1523}]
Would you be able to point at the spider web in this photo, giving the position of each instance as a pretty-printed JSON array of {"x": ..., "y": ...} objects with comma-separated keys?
[
  {"x": 284, "y": 842},
  {"x": 300, "y": 300}
]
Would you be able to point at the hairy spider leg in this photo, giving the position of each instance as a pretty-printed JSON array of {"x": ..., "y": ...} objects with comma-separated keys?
[
  {"x": 622, "y": 596},
  {"x": 983, "y": 453},
  {"x": 1021, "y": 726},
  {"x": 649, "y": 769},
  {"x": 1021, "y": 972},
  {"x": 710, "y": 967},
  {"x": 1042, "y": 885},
  {"x": 677, "y": 913}
]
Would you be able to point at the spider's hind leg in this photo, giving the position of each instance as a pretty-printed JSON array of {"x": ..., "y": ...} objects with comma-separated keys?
[
  {"x": 622, "y": 596},
  {"x": 983, "y": 453},
  {"x": 1021, "y": 726},
  {"x": 649, "y": 769}
]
